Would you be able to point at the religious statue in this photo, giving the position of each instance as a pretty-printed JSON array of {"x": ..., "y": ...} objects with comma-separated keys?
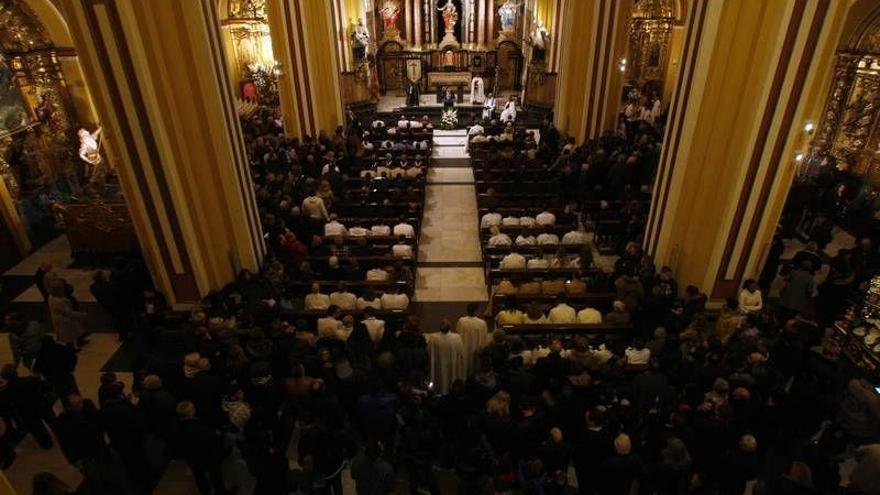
[
  {"x": 540, "y": 39},
  {"x": 390, "y": 12},
  {"x": 450, "y": 17},
  {"x": 360, "y": 39},
  {"x": 89, "y": 150},
  {"x": 507, "y": 14},
  {"x": 477, "y": 95}
]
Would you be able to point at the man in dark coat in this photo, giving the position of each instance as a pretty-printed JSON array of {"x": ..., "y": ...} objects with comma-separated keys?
[
  {"x": 124, "y": 425},
  {"x": 79, "y": 431},
  {"x": 202, "y": 449},
  {"x": 27, "y": 395}
]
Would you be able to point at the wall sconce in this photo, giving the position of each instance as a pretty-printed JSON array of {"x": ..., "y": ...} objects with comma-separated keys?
[
  {"x": 809, "y": 127},
  {"x": 622, "y": 65},
  {"x": 799, "y": 157}
]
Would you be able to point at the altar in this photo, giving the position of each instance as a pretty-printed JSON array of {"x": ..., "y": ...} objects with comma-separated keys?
[{"x": 446, "y": 43}]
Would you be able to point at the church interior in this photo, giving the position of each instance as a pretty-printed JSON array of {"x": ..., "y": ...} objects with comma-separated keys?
[{"x": 477, "y": 247}]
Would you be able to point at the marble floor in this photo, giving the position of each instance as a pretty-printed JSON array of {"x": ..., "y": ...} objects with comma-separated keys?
[{"x": 450, "y": 259}]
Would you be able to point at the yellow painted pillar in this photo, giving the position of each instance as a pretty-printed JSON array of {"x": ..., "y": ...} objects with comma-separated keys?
[
  {"x": 751, "y": 74},
  {"x": 304, "y": 42},
  {"x": 593, "y": 39},
  {"x": 159, "y": 84}
]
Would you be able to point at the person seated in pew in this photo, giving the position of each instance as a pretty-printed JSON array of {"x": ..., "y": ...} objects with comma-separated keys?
[
  {"x": 398, "y": 170},
  {"x": 368, "y": 300},
  {"x": 475, "y": 128},
  {"x": 377, "y": 274},
  {"x": 403, "y": 122},
  {"x": 545, "y": 218},
  {"x": 490, "y": 219},
  {"x": 498, "y": 238},
  {"x": 368, "y": 146},
  {"x": 526, "y": 221},
  {"x": 426, "y": 122},
  {"x": 562, "y": 313},
  {"x": 548, "y": 239},
  {"x": 315, "y": 301},
  {"x": 401, "y": 272},
  {"x": 402, "y": 249},
  {"x": 401, "y": 146},
  {"x": 375, "y": 326},
  {"x": 510, "y": 315},
  {"x": 589, "y": 316},
  {"x": 338, "y": 247},
  {"x": 513, "y": 261},
  {"x": 404, "y": 229},
  {"x": 618, "y": 315},
  {"x": 394, "y": 300},
  {"x": 510, "y": 221},
  {"x": 560, "y": 259},
  {"x": 357, "y": 230},
  {"x": 534, "y": 314},
  {"x": 538, "y": 262},
  {"x": 380, "y": 230},
  {"x": 490, "y": 200},
  {"x": 330, "y": 325},
  {"x": 333, "y": 227},
  {"x": 343, "y": 299},
  {"x": 479, "y": 137},
  {"x": 576, "y": 236},
  {"x": 525, "y": 240},
  {"x": 415, "y": 124},
  {"x": 637, "y": 354}
]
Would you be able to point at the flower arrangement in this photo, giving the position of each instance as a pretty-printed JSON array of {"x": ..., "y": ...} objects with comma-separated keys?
[{"x": 449, "y": 120}]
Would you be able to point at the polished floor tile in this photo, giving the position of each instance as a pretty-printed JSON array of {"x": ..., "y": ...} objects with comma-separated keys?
[
  {"x": 456, "y": 174},
  {"x": 56, "y": 252}
]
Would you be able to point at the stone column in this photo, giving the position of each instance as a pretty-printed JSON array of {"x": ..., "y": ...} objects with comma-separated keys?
[
  {"x": 751, "y": 74},
  {"x": 159, "y": 84},
  {"x": 593, "y": 38},
  {"x": 302, "y": 34}
]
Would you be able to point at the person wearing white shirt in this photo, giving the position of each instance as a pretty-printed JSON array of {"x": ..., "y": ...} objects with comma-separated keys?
[
  {"x": 377, "y": 274},
  {"x": 329, "y": 325},
  {"x": 313, "y": 207},
  {"x": 499, "y": 238},
  {"x": 513, "y": 261},
  {"x": 403, "y": 123},
  {"x": 402, "y": 249},
  {"x": 394, "y": 300},
  {"x": 368, "y": 300},
  {"x": 375, "y": 326},
  {"x": 637, "y": 353},
  {"x": 368, "y": 146},
  {"x": 378, "y": 124},
  {"x": 475, "y": 129},
  {"x": 343, "y": 299},
  {"x": 538, "y": 263},
  {"x": 546, "y": 238},
  {"x": 510, "y": 221},
  {"x": 575, "y": 237},
  {"x": 589, "y": 316},
  {"x": 545, "y": 218},
  {"x": 526, "y": 222},
  {"x": 333, "y": 227},
  {"x": 525, "y": 240},
  {"x": 750, "y": 299},
  {"x": 315, "y": 300},
  {"x": 358, "y": 231},
  {"x": 414, "y": 124},
  {"x": 490, "y": 219},
  {"x": 381, "y": 230},
  {"x": 562, "y": 313},
  {"x": 404, "y": 229}
]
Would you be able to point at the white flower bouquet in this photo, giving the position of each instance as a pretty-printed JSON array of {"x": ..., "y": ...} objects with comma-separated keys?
[{"x": 449, "y": 120}]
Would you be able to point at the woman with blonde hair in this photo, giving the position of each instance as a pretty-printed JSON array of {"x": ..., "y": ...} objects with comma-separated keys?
[{"x": 498, "y": 406}]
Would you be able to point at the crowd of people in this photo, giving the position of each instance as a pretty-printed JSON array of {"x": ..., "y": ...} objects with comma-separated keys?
[{"x": 274, "y": 385}]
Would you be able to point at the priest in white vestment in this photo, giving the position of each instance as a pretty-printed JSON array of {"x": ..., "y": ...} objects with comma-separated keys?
[
  {"x": 474, "y": 335},
  {"x": 489, "y": 107},
  {"x": 446, "y": 354},
  {"x": 509, "y": 112},
  {"x": 477, "y": 91}
]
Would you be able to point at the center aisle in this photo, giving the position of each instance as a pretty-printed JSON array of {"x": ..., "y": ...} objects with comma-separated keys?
[{"x": 450, "y": 261}]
